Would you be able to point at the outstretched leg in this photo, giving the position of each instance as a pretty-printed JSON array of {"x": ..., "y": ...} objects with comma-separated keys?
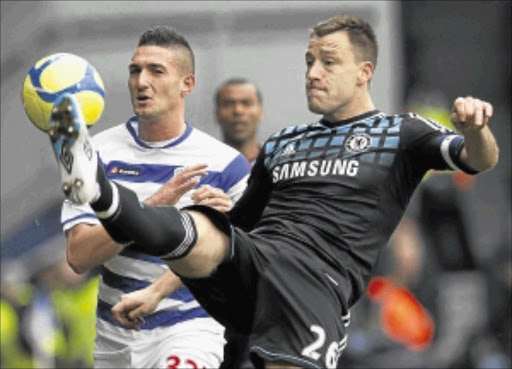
[{"x": 188, "y": 241}]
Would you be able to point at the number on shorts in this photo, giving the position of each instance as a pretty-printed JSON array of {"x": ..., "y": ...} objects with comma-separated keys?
[
  {"x": 309, "y": 350},
  {"x": 173, "y": 362},
  {"x": 333, "y": 352}
]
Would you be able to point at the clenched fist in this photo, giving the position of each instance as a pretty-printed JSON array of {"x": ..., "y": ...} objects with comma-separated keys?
[{"x": 470, "y": 114}]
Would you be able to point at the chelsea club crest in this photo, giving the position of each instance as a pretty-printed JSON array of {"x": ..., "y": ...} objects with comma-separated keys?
[{"x": 357, "y": 143}]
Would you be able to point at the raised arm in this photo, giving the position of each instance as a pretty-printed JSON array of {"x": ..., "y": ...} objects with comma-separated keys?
[{"x": 470, "y": 116}]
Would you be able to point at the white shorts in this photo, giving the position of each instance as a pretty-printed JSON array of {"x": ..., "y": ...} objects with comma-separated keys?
[{"x": 187, "y": 345}]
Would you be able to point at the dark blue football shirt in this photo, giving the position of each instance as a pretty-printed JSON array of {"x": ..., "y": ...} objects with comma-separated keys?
[{"x": 338, "y": 190}]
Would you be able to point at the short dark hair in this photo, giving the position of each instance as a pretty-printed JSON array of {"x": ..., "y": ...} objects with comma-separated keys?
[
  {"x": 167, "y": 37},
  {"x": 360, "y": 33},
  {"x": 238, "y": 81}
]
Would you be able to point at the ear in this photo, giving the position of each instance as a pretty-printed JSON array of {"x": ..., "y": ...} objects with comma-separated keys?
[
  {"x": 365, "y": 73},
  {"x": 187, "y": 84}
]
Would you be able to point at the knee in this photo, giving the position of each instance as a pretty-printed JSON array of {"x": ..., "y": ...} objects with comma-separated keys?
[{"x": 210, "y": 249}]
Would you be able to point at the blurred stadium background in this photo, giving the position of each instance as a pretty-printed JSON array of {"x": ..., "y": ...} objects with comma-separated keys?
[{"x": 453, "y": 249}]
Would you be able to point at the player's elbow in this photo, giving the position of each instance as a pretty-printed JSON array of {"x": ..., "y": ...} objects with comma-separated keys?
[
  {"x": 75, "y": 262},
  {"x": 75, "y": 266}
]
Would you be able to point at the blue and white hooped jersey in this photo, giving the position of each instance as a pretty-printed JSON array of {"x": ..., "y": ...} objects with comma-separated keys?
[{"x": 143, "y": 167}]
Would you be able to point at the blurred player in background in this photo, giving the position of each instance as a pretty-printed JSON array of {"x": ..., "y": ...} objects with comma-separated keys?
[
  {"x": 239, "y": 112},
  {"x": 161, "y": 157},
  {"x": 298, "y": 248}
]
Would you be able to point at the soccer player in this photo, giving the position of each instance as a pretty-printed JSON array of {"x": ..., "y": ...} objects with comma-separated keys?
[
  {"x": 297, "y": 250},
  {"x": 165, "y": 161},
  {"x": 239, "y": 112}
]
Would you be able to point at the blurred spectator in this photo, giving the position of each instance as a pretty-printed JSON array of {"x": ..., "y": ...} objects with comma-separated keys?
[
  {"x": 74, "y": 298},
  {"x": 48, "y": 314},
  {"x": 239, "y": 111},
  {"x": 403, "y": 263},
  {"x": 16, "y": 295}
]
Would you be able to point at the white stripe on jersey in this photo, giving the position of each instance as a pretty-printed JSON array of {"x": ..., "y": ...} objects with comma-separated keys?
[
  {"x": 432, "y": 124},
  {"x": 445, "y": 151},
  {"x": 135, "y": 268},
  {"x": 234, "y": 192}
]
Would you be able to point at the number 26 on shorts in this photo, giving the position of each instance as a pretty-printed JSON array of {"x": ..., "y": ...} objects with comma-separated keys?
[{"x": 333, "y": 352}]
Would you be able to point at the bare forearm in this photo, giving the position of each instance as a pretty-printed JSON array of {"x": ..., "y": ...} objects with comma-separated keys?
[
  {"x": 89, "y": 246},
  {"x": 471, "y": 116},
  {"x": 480, "y": 150},
  {"x": 166, "y": 284}
]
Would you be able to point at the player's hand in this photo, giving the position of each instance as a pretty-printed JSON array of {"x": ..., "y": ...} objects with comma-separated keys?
[
  {"x": 214, "y": 197},
  {"x": 131, "y": 308},
  {"x": 470, "y": 114},
  {"x": 179, "y": 184}
]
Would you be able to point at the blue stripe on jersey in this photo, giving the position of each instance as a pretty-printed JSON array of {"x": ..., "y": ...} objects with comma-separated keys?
[
  {"x": 136, "y": 138},
  {"x": 81, "y": 216},
  {"x": 338, "y": 140},
  {"x": 283, "y": 143},
  {"x": 320, "y": 142},
  {"x": 391, "y": 142},
  {"x": 159, "y": 173},
  {"x": 128, "y": 285},
  {"x": 230, "y": 176},
  {"x": 384, "y": 123},
  {"x": 140, "y": 256},
  {"x": 156, "y": 173},
  {"x": 304, "y": 144},
  {"x": 163, "y": 318}
]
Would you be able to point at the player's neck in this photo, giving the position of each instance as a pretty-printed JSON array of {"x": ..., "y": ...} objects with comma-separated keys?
[
  {"x": 250, "y": 149},
  {"x": 162, "y": 129},
  {"x": 359, "y": 105}
]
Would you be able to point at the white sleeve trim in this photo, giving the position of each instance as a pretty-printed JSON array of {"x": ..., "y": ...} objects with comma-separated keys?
[{"x": 445, "y": 151}]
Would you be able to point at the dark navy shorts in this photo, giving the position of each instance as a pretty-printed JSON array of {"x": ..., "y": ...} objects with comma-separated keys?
[{"x": 288, "y": 302}]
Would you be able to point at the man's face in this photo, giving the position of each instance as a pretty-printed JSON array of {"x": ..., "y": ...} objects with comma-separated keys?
[
  {"x": 239, "y": 111},
  {"x": 331, "y": 74},
  {"x": 156, "y": 82}
]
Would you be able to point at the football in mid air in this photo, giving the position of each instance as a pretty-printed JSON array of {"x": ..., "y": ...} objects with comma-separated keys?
[{"x": 57, "y": 74}]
